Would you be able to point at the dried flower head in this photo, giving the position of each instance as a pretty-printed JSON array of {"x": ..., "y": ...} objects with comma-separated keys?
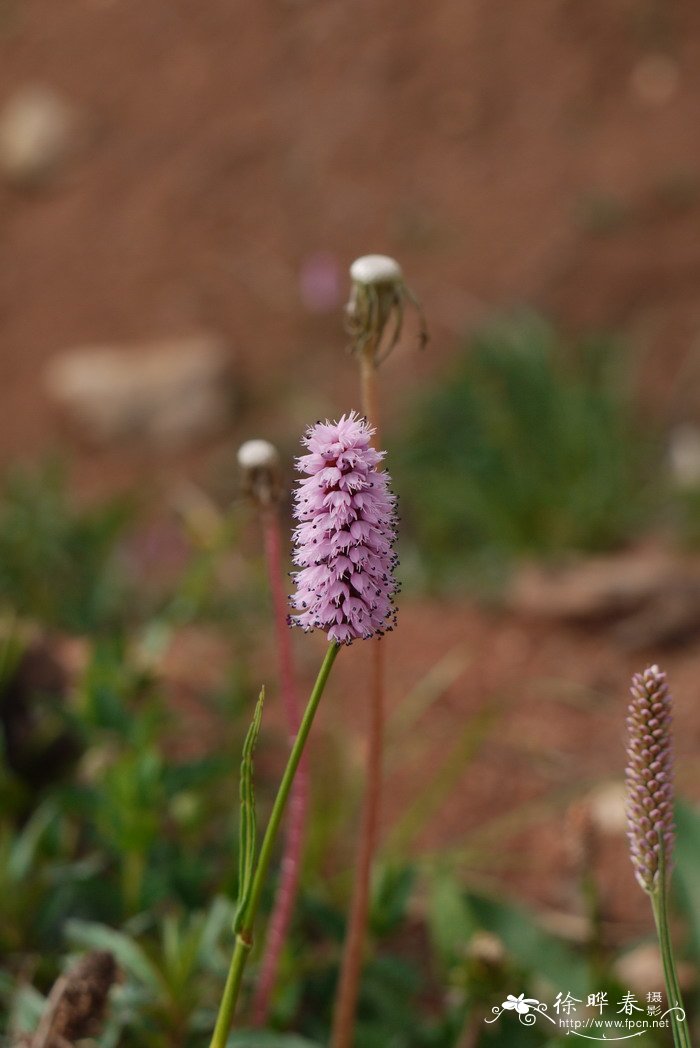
[
  {"x": 345, "y": 534},
  {"x": 260, "y": 465},
  {"x": 650, "y": 777},
  {"x": 376, "y": 308},
  {"x": 80, "y": 998}
]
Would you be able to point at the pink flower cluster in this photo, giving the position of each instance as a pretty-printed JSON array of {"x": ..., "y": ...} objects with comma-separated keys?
[{"x": 345, "y": 535}]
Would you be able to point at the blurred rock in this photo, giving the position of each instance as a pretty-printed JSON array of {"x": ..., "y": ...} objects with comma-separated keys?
[
  {"x": 39, "y": 130},
  {"x": 168, "y": 394},
  {"x": 673, "y": 617},
  {"x": 607, "y": 808},
  {"x": 571, "y": 926},
  {"x": 597, "y": 588},
  {"x": 641, "y": 970},
  {"x": 684, "y": 455},
  {"x": 655, "y": 80},
  {"x": 652, "y": 597},
  {"x": 487, "y": 949}
]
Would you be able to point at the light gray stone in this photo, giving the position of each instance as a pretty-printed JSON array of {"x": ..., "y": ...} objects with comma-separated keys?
[
  {"x": 168, "y": 394},
  {"x": 39, "y": 131}
]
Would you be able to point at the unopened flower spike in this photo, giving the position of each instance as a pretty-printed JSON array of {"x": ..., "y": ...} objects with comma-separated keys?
[
  {"x": 651, "y": 828},
  {"x": 649, "y": 776},
  {"x": 345, "y": 535},
  {"x": 259, "y": 462},
  {"x": 378, "y": 299}
]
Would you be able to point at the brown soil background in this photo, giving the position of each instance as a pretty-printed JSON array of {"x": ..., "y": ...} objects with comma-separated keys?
[{"x": 506, "y": 152}]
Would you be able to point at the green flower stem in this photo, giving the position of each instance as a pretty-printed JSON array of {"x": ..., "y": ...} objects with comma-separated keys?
[
  {"x": 244, "y": 938},
  {"x": 132, "y": 880},
  {"x": 681, "y": 1035}
]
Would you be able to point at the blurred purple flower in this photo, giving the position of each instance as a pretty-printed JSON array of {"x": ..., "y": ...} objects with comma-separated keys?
[
  {"x": 345, "y": 535},
  {"x": 320, "y": 282},
  {"x": 650, "y": 776}
]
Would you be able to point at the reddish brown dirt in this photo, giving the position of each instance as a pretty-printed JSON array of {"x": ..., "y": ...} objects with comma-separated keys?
[
  {"x": 503, "y": 152},
  {"x": 555, "y": 700},
  {"x": 503, "y": 769}
]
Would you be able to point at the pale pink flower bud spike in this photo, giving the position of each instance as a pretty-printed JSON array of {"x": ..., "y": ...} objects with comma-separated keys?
[
  {"x": 651, "y": 828},
  {"x": 650, "y": 777}
]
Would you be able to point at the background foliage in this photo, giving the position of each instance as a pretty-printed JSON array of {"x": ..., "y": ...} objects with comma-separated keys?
[
  {"x": 528, "y": 445},
  {"x": 113, "y": 837}
]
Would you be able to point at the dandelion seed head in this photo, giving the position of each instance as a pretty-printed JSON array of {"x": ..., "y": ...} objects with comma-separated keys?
[
  {"x": 257, "y": 454},
  {"x": 259, "y": 462},
  {"x": 376, "y": 269}
]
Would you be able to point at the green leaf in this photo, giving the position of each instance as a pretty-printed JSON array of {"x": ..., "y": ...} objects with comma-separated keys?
[
  {"x": 391, "y": 893},
  {"x": 24, "y": 848},
  {"x": 11, "y": 651},
  {"x": 450, "y": 919},
  {"x": 686, "y": 878},
  {"x": 27, "y": 1008},
  {"x": 530, "y": 944},
  {"x": 247, "y": 831},
  {"x": 218, "y": 920},
  {"x": 58, "y": 564},
  {"x": 128, "y": 954},
  {"x": 173, "y": 943},
  {"x": 528, "y": 445}
]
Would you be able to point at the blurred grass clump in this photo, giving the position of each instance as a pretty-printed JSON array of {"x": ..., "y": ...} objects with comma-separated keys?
[
  {"x": 528, "y": 446},
  {"x": 57, "y": 561},
  {"x": 118, "y": 812}
]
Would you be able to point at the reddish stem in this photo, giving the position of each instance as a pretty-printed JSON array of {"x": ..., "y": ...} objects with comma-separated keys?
[{"x": 290, "y": 870}]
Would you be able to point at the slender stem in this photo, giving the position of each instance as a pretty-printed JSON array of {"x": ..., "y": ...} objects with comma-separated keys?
[
  {"x": 368, "y": 386},
  {"x": 681, "y": 1035},
  {"x": 244, "y": 939},
  {"x": 290, "y": 869},
  {"x": 680, "y": 1038},
  {"x": 351, "y": 966},
  {"x": 132, "y": 880},
  {"x": 46, "y": 1025},
  {"x": 230, "y": 995}
]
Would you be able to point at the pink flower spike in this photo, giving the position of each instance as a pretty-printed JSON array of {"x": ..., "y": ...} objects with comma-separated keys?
[
  {"x": 345, "y": 534},
  {"x": 651, "y": 829}
]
